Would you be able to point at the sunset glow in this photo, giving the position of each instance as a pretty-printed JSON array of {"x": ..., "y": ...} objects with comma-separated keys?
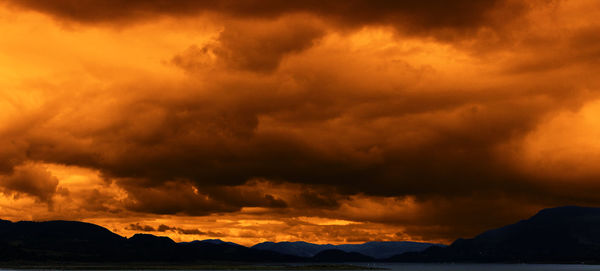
[{"x": 332, "y": 122}]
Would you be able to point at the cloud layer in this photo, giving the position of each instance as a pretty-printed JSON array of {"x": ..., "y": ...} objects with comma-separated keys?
[{"x": 335, "y": 122}]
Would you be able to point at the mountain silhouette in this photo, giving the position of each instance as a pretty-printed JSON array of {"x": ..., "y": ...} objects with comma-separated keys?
[
  {"x": 558, "y": 235},
  {"x": 376, "y": 250},
  {"x": 336, "y": 255},
  {"x": 298, "y": 248},
  {"x": 65, "y": 241},
  {"x": 568, "y": 234}
]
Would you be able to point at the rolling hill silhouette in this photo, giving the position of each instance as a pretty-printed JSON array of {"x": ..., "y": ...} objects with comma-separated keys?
[
  {"x": 558, "y": 235},
  {"x": 568, "y": 234},
  {"x": 376, "y": 250},
  {"x": 85, "y": 242}
]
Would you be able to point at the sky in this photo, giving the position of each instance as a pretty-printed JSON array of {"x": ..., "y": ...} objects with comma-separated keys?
[{"x": 322, "y": 121}]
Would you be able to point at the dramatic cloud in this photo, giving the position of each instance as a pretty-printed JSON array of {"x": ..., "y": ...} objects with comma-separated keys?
[
  {"x": 164, "y": 228},
  {"x": 424, "y": 15},
  {"x": 30, "y": 180},
  {"x": 255, "y": 46},
  {"x": 327, "y": 122}
]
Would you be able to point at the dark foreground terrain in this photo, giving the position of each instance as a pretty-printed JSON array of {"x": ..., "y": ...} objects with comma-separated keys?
[
  {"x": 181, "y": 266},
  {"x": 77, "y": 242},
  {"x": 558, "y": 235}
]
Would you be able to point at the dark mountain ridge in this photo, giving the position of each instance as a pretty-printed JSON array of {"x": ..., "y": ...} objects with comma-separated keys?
[
  {"x": 72, "y": 241},
  {"x": 567, "y": 234},
  {"x": 298, "y": 248},
  {"x": 559, "y": 235},
  {"x": 376, "y": 250},
  {"x": 84, "y": 242}
]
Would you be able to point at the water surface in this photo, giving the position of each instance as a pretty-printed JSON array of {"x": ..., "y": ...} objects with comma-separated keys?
[
  {"x": 487, "y": 267},
  {"x": 392, "y": 267}
]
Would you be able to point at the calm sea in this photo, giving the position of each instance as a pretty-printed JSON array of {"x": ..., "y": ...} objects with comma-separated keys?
[
  {"x": 488, "y": 267},
  {"x": 442, "y": 267}
]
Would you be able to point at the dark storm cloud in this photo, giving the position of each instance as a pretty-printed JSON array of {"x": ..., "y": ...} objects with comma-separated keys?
[
  {"x": 32, "y": 181},
  {"x": 255, "y": 46},
  {"x": 320, "y": 200},
  {"x": 436, "y": 140},
  {"x": 325, "y": 116},
  {"x": 184, "y": 198},
  {"x": 217, "y": 147},
  {"x": 262, "y": 48},
  {"x": 422, "y": 15},
  {"x": 164, "y": 228},
  {"x": 585, "y": 39},
  {"x": 138, "y": 227}
]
